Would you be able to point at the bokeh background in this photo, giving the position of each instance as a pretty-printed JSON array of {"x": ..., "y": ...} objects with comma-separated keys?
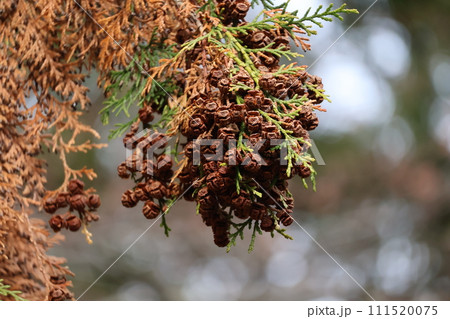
[{"x": 382, "y": 208}]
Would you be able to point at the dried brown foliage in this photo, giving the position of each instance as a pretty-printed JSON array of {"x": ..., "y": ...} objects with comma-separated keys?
[{"x": 44, "y": 48}]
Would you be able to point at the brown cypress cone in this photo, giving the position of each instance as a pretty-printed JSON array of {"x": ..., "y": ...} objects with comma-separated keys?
[
  {"x": 174, "y": 190},
  {"x": 269, "y": 60},
  {"x": 242, "y": 77},
  {"x": 122, "y": 170},
  {"x": 159, "y": 139},
  {"x": 226, "y": 171},
  {"x": 267, "y": 106},
  {"x": 223, "y": 116},
  {"x": 226, "y": 134},
  {"x": 57, "y": 223},
  {"x": 297, "y": 88},
  {"x": 240, "y": 9},
  {"x": 260, "y": 39},
  {"x": 238, "y": 113},
  {"x": 73, "y": 223},
  {"x": 242, "y": 213},
  {"x": 263, "y": 180},
  {"x": 182, "y": 35},
  {"x": 220, "y": 231},
  {"x": 217, "y": 183},
  {"x": 287, "y": 123},
  {"x": 130, "y": 141},
  {"x": 271, "y": 154},
  {"x": 254, "y": 99},
  {"x": 196, "y": 127},
  {"x": 140, "y": 192},
  {"x": 188, "y": 150},
  {"x": 282, "y": 41},
  {"x": 224, "y": 199},
  {"x": 210, "y": 108},
  {"x": 185, "y": 176},
  {"x": 94, "y": 201},
  {"x": 210, "y": 167},
  {"x": 78, "y": 202},
  {"x": 215, "y": 76},
  {"x": 207, "y": 215},
  {"x": 289, "y": 201},
  {"x": 62, "y": 200},
  {"x": 146, "y": 114},
  {"x": 232, "y": 157},
  {"x": 221, "y": 240},
  {"x": 148, "y": 167},
  {"x": 267, "y": 82},
  {"x": 199, "y": 99},
  {"x": 310, "y": 121},
  {"x": 298, "y": 130},
  {"x": 132, "y": 163},
  {"x": 206, "y": 199},
  {"x": 164, "y": 163},
  {"x": 91, "y": 216},
  {"x": 317, "y": 82},
  {"x": 58, "y": 279},
  {"x": 253, "y": 121},
  {"x": 129, "y": 198},
  {"x": 271, "y": 132},
  {"x": 155, "y": 189},
  {"x": 279, "y": 90},
  {"x": 285, "y": 218},
  {"x": 255, "y": 139},
  {"x": 303, "y": 171},
  {"x": 252, "y": 163},
  {"x": 189, "y": 194},
  {"x": 232, "y": 11},
  {"x": 150, "y": 209},
  {"x": 269, "y": 200},
  {"x": 58, "y": 294},
  {"x": 50, "y": 206},
  {"x": 75, "y": 186},
  {"x": 267, "y": 224},
  {"x": 224, "y": 86},
  {"x": 241, "y": 201},
  {"x": 258, "y": 211}
]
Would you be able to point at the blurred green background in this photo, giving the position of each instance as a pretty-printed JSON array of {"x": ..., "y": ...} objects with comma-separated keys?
[{"x": 382, "y": 208}]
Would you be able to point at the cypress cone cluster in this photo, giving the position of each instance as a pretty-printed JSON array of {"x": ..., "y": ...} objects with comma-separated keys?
[
  {"x": 153, "y": 174},
  {"x": 244, "y": 121},
  {"x": 77, "y": 200}
]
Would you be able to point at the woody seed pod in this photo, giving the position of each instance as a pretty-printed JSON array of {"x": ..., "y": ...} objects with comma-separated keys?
[
  {"x": 75, "y": 186},
  {"x": 150, "y": 210},
  {"x": 50, "y": 206},
  {"x": 57, "y": 223},
  {"x": 129, "y": 199},
  {"x": 57, "y": 294},
  {"x": 62, "y": 200},
  {"x": 146, "y": 114},
  {"x": 94, "y": 201},
  {"x": 122, "y": 170},
  {"x": 155, "y": 189},
  {"x": 73, "y": 223}
]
